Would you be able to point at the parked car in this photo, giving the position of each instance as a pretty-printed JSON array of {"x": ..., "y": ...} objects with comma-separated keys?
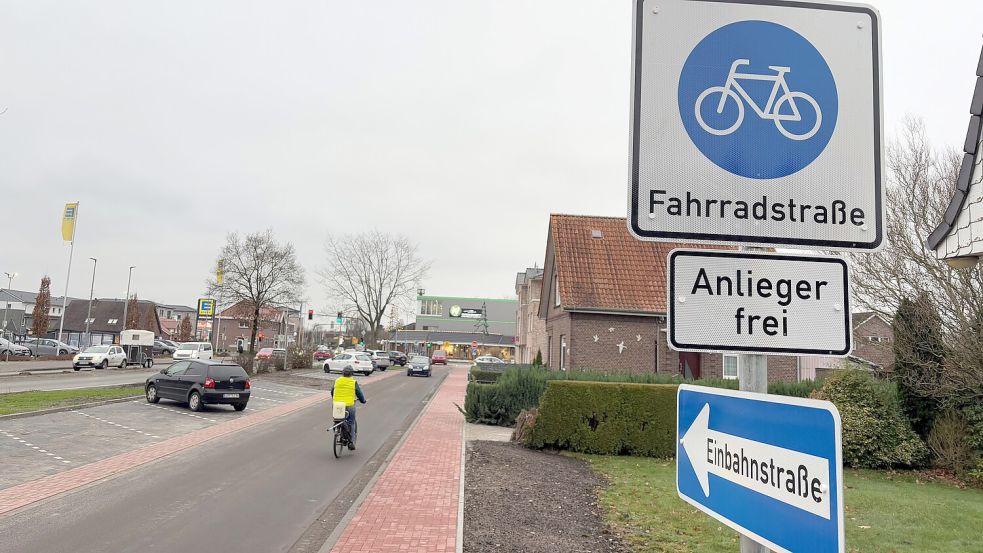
[
  {"x": 9, "y": 348},
  {"x": 193, "y": 350},
  {"x": 271, "y": 353},
  {"x": 419, "y": 364},
  {"x": 163, "y": 348},
  {"x": 398, "y": 358},
  {"x": 323, "y": 353},
  {"x": 357, "y": 360},
  {"x": 200, "y": 383},
  {"x": 100, "y": 357},
  {"x": 439, "y": 357},
  {"x": 488, "y": 359},
  {"x": 47, "y": 346},
  {"x": 380, "y": 359}
]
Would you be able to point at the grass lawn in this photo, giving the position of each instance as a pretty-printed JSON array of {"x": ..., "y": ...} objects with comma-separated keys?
[
  {"x": 23, "y": 402},
  {"x": 885, "y": 512}
]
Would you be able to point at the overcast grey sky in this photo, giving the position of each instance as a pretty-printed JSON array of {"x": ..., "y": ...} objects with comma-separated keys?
[{"x": 461, "y": 124}]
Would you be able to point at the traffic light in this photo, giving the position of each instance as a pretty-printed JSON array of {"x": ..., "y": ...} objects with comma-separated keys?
[
  {"x": 259, "y": 337},
  {"x": 310, "y": 314},
  {"x": 340, "y": 318}
]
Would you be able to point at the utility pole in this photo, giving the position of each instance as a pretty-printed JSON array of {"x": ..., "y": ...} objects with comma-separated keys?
[
  {"x": 88, "y": 316},
  {"x": 10, "y": 278},
  {"x": 126, "y": 301}
]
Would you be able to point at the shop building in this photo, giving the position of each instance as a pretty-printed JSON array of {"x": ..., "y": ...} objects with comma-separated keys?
[{"x": 455, "y": 323}]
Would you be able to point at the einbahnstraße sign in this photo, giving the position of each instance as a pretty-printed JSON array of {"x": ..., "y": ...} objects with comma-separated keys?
[
  {"x": 756, "y": 122},
  {"x": 769, "y": 466}
]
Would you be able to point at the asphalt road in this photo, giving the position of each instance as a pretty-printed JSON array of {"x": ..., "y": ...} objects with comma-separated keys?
[
  {"x": 75, "y": 380},
  {"x": 257, "y": 490}
]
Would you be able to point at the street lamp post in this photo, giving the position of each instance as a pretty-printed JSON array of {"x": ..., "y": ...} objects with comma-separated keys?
[
  {"x": 88, "y": 316},
  {"x": 126, "y": 300},
  {"x": 10, "y": 279}
]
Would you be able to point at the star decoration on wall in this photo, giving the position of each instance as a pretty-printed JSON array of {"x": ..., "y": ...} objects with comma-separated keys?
[
  {"x": 621, "y": 347},
  {"x": 596, "y": 338},
  {"x": 638, "y": 337},
  {"x": 611, "y": 329}
]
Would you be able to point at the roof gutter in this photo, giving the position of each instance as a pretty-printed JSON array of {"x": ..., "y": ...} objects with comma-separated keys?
[{"x": 614, "y": 311}]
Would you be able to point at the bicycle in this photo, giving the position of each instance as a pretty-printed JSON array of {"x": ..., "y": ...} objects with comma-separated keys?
[
  {"x": 342, "y": 435},
  {"x": 732, "y": 89}
]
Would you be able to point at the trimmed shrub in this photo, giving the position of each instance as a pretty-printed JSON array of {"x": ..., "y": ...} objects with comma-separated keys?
[
  {"x": 804, "y": 388},
  {"x": 607, "y": 418},
  {"x": 538, "y": 361},
  {"x": 483, "y": 376},
  {"x": 949, "y": 443},
  {"x": 876, "y": 433},
  {"x": 300, "y": 358}
]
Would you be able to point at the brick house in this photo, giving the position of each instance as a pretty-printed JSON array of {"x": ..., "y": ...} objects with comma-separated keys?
[
  {"x": 105, "y": 321},
  {"x": 873, "y": 347},
  {"x": 530, "y": 330},
  {"x": 604, "y": 305},
  {"x": 234, "y": 326}
]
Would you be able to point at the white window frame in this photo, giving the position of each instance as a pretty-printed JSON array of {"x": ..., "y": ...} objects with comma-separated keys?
[
  {"x": 563, "y": 352},
  {"x": 723, "y": 366},
  {"x": 556, "y": 291}
]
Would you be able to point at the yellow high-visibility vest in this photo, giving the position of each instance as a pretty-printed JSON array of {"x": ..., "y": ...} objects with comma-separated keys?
[{"x": 344, "y": 390}]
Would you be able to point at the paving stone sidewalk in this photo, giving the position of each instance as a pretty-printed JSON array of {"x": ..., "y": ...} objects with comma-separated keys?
[{"x": 413, "y": 506}]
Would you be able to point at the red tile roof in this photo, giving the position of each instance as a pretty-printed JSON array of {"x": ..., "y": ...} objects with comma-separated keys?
[{"x": 616, "y": 272}]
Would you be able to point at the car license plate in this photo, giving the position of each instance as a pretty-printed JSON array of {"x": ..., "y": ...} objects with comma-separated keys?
[{"x": 230, "y": 395}]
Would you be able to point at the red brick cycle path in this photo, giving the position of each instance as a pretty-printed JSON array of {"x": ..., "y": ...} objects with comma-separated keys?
[
  {"x": 414, "y": 504},
  {"x": 27, "y": 493}
]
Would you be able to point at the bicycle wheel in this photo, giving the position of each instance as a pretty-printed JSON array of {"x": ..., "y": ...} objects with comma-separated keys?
[
  {"x": 790, "y": 98},
  {"x": 716, "y": 103},
  {"x": 339, "y": 445}
]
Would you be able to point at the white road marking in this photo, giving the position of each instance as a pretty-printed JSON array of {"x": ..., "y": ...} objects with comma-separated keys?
[
  {"x": 267, "y": 399},
  {"x": 32, "y": 446},
  {"x": 124, "y": 427},
  {"x": 161, "y": 407}
]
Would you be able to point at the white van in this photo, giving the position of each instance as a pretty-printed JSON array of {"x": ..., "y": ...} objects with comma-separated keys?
[{"x": 193, "y": 350}]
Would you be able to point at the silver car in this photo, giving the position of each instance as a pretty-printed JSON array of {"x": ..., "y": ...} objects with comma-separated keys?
[
  {"x": 48, "y": 346},
  {"x": 8, "y": 348}
]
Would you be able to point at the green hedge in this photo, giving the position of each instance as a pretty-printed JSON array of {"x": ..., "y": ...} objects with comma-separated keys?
[
  {"x": 607, "y": 418},
  {"x": 483, "y": 376}
]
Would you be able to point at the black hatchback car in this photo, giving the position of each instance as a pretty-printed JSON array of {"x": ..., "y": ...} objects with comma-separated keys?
[{"x": 200, "y": 383}]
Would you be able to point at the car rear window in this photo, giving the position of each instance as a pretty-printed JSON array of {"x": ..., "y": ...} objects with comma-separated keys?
[{"x": 226, "y": 371}]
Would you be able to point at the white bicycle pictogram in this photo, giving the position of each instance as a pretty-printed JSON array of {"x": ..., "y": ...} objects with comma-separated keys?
[{"x": 772, "y": 109}]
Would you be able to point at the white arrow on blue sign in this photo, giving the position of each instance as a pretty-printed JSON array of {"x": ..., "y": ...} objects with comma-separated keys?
[{"x": 768, "y": 466}]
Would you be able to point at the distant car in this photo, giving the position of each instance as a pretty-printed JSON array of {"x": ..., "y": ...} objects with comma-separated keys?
[
  {"x": 47, "y": 346},
  {"x": 398, "y": 358},
  {"x": 100, "y": 357},
  {"x": 9, "y": 348},
  {"x": 162, "y": 348},
  {"x": 200, "y": 383},
  {"x": 488, "y": 359},
  {"x": 265, "y": 353},
  {"x": 193, "y": 350},
  {"x": 380, "y": 359},
  {"x": 171, "y": 343},
  {"x": 439, "y": 357},
  {"x": 322, "y": 354},
  {"x": 358, "y": 361},
  {"x": 419, "y": 364}
]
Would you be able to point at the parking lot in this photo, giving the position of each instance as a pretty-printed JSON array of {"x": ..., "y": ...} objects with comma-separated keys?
[{"x": 38, "y": 446}]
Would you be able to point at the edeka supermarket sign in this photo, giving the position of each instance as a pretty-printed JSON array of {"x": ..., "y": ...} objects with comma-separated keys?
[{"x": 757, "y": 123}]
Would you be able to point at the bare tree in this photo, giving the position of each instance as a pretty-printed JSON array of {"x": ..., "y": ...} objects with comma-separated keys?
[
  {"x": 259, "y": 273},
  {"x": 133, "y": 313},
  {"x": 921, "y": 182},
  {"x": 369, "y": 272}
]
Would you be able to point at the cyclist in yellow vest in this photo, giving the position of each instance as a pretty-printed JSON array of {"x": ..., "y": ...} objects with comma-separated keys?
[{"x": 346, "y": 389}]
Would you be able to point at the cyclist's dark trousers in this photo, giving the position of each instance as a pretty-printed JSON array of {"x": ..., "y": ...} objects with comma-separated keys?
[{"x": 352, "y": 425}]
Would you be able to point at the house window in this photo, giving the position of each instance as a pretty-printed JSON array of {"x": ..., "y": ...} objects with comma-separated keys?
[
  {"x": 563, "y": 352},
  {"x": 730, "y": 367},
  {"x": 877, "y": 339},
  {"x": 89, "y": 321},
  {"x": 556, "y": 292},
  {"x": 243, "y": 324},
  {"x": 112, "y": 321}
]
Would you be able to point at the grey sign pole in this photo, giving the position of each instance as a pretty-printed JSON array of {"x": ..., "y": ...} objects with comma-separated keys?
[{"x": 752, "y": 375}]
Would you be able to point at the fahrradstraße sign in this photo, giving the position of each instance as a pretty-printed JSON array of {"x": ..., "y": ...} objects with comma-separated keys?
[{"x": 757, "y": 123}]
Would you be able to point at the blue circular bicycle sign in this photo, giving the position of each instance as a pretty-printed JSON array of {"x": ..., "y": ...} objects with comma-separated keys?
[{"x": 757, "y": 99}]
